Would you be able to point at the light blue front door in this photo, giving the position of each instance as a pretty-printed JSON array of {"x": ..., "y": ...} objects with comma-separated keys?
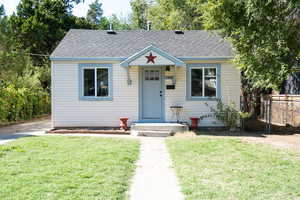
[{"x": 152, "y": 94}]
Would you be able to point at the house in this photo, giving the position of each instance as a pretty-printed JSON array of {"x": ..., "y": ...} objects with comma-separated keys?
[{"x": 99, "y": 76}]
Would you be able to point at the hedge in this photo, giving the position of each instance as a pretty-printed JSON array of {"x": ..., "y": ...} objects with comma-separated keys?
[{"x": 22, "y": 103}]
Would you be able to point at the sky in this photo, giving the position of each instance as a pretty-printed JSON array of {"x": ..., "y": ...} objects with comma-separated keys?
[{"x": 119, "y": 7}]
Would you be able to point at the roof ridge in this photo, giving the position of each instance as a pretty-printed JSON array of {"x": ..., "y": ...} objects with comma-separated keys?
[{"x": 127, "y": 30}]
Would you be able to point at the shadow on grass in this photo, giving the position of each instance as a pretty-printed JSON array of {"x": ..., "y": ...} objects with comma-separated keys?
[
  {"x": 259, "y": 127},
  {"x": 230, "y": 133},
  {"x": 4, "y": 137}
]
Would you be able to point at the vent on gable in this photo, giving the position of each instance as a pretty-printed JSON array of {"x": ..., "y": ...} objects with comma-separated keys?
[{"x": 179, "y": 32}]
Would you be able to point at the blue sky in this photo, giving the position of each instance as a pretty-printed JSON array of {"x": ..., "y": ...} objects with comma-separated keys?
[{"x": 119, "y": 7}]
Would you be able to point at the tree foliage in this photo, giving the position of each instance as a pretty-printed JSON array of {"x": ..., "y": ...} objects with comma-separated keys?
[
  {"x": 167, "y": 14},
  {"x": 176, "y": 14},
  {"x": 22, "y": 103},
  {"x": 95, "y": 13},
  {"x": 119, "y": 22},
  {"x": 96, "y": 18},
  {"x": 39, "y": 25},
  {"x": 139, "y": 13},
  {"x": 264, "y": 35},
  {"x": 22, "y": 94},
  {"x": 2, "y": 11}
]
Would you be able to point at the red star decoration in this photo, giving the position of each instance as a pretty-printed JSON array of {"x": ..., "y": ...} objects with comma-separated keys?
[{"x": 150, "y": 58}]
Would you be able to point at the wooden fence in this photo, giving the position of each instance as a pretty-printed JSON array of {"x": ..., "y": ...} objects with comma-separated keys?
[{"x": 282, "y": 110}]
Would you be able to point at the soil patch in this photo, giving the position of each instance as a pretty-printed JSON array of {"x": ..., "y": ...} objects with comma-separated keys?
[{"x": 102, "y": 130}]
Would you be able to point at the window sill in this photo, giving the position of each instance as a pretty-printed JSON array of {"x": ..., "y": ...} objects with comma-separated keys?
[
  {"x": 202, "y": 98},
  {"x": 96, "y": 98}
]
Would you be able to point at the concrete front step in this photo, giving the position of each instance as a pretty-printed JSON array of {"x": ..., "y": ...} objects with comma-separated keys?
[
  {"x": 157, "y": 129},
  {"x": 151, "y": 133}
]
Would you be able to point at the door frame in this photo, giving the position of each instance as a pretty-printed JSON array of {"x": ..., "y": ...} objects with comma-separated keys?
[{"x": 140, "y": 96}]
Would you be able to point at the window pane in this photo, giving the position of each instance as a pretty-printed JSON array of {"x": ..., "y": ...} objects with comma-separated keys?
[
  {"x": 89, "y": 82},
  {"x": 156, "y": 75},
  {"x": 210, "y": 72},
  {"x": 102, "y": 82},
  {"x": 152, "y": 75},
  {"x": 210, "y": 82},
  {"x": 196, "y": 82}
]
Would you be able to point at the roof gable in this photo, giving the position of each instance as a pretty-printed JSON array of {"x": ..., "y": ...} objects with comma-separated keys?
[{"x": 158, "y": 57}]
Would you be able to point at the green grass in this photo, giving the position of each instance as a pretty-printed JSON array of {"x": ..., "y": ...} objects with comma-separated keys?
[
  {"x": 53, "y": 167},
  {"x": 227, "y": 169}
]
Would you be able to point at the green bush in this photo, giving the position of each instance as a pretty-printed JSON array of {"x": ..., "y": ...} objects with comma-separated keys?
[
  {"x": 24, "y": 88},
  {"x": 22, "y": 103},
  {"x": 228, "y": 114}
]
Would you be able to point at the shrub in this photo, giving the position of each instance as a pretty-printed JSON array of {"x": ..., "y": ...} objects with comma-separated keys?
[
  {"x": 22, "y": 103},
  {"x": 23, "y": 87},
  {"x": 228, "y": 114}
]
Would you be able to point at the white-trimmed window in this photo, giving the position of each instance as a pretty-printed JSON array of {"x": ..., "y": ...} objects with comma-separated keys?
[
  {"x": 96, "y": 81},
  {"x": 203, "y": 82}
]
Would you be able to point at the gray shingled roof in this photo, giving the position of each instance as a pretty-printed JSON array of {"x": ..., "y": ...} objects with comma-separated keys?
[{"x": 80, "y": 43}]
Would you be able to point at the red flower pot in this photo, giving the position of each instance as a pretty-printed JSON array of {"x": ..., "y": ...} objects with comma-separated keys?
[
  {"x": 123, "y": 123},
  {"x": 194, "y": 123}
]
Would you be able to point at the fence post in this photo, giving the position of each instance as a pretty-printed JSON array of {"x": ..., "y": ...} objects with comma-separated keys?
[
  {"x": 242, "y": 108},
  {"x": 266, "y": 113},
  {"x": 270, "y": 114}
]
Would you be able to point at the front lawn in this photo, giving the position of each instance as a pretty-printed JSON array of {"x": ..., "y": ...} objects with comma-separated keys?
[
  {"x": 53, "y": 167},
  {"x": 225, "y": 169}
]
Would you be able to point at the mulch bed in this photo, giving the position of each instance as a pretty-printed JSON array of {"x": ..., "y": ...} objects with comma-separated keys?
[{"x": 89, "y": 131}]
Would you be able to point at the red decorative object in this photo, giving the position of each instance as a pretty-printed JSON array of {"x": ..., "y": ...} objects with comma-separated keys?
[
  {"x": 150, "y": 58},
  {"x": 123, "y": 123},
  {"x": 194, "y": 121}
]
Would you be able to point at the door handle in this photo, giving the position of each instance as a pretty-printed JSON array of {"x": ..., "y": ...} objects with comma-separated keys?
[{"x": 160, "y": 93}]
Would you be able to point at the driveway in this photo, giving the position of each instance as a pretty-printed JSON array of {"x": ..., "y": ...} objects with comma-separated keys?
[{"x": 37, "y": 127}]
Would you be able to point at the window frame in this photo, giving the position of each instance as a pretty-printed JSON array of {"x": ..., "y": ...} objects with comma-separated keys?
[
  {"x": 95, "y": 66},
  {"x": 203, "y": 66}
]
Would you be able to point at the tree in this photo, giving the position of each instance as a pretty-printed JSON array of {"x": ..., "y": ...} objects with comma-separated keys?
[
  {"x": 119, "y": 23},
  {"x": 2, "y": 11},
  {"x": 264, "y": 35},
  {"x": 40, "y": 24},
  {"x": 139, "y": 13},
  {"x": 95, "y": 13},
  {"x": 176, "y": 14}
]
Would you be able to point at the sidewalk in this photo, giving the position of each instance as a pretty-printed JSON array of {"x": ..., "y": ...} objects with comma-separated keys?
[{"x": 155, "y": 178}]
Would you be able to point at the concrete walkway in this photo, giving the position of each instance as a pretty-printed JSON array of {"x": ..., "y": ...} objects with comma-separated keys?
[{"x": 155, "y": 178}]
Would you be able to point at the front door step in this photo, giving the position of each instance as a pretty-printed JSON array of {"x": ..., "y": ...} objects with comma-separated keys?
[
  {"x": 151, "y": 133},
  {"x": 157, "y": 129}
]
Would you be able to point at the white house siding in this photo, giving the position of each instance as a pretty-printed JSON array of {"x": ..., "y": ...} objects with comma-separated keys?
[
  {"x": 230, "y": 91},
  {"x": 69, "y": 111}
]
